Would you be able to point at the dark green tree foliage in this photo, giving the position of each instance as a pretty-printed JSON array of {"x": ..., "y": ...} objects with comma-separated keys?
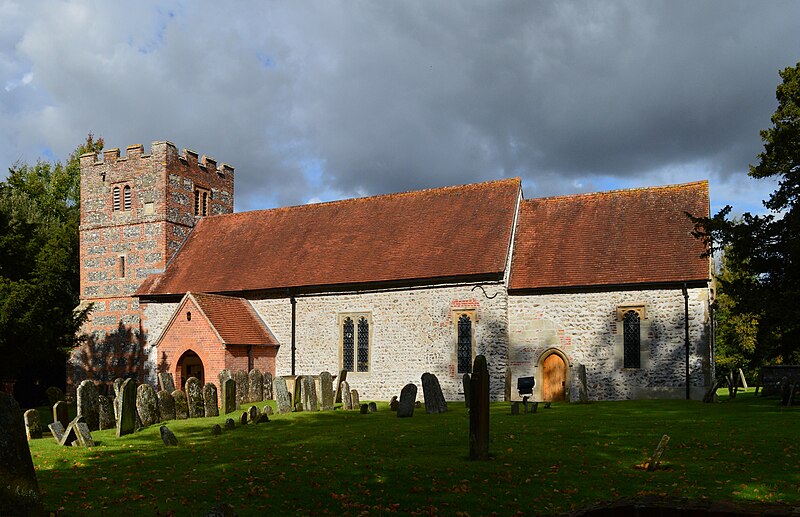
[
  {"x": 39, "y": 271},
  {"x": 763, "y": 252}
]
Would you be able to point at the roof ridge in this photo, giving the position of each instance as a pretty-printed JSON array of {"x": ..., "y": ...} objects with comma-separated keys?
[{"x": 632, "y": 190}]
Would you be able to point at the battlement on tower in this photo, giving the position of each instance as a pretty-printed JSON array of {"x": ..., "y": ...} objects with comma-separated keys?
[{"x": 161, "y": 149}]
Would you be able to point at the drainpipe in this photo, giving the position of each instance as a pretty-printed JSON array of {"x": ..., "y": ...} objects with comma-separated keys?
[
  {"x": 294, "y": 329},
  {"x": 686, "y": 333}
]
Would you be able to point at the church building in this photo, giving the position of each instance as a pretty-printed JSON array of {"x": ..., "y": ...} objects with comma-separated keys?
[{"x": 389, "y": 287}]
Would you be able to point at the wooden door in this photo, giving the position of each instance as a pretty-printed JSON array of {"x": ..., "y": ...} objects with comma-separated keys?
[{"x": 554, "y": 378}]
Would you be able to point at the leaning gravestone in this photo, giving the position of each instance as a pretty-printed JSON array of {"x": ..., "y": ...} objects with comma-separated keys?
[
  {"x": 181, "y": 405},
  {"x": 228, "y": 396},
  {"x": 479, "y": 410},
  {"x": 267, "y": 386},
  {"x": 255, "y": 381},
  {"x": 126, "y": 421},
  {"x": 583, "y": 387},
  {"x": 210, "y": 399},
  {"x": 242, "y": 386},
  {"x": 57, "y": 430},
  {"x": 168, "y": 437},
  {"x": 194, "y": 394},
  {"x": 408, "y": 396},
  {"x": 166, "y": 382},
  {"x": 61, "y": 413},
  {"x": 282, "y": 395},
  {"x": 465, "y": 384},
  {"x": 339, "y": 381},
  {"x": 347, "y": 396},
  {"x": 147, "y": 405},
  {"x": 107, "y": 419},
  {"x": 33, "y": 426},
  {"x": 326, "y": 391},
  {"x": 309, "y": 394},
  {"x": 84, "y": 437},
  {"x": 88, "y": 404},
  {"x": 19, "y": 490},
  {"x": 166, "y": 404},
  {"x": 354, "y": 400},
  {"x": 432, "y": 392}
]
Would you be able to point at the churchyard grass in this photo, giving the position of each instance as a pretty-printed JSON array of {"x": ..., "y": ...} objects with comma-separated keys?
[{"x": 571, "y": 456}]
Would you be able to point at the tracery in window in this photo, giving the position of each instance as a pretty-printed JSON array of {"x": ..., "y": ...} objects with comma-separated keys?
[
  {"x": 464, "y": 344},
  {"x": 632, "y": 340},
  {"x": 348, "y": 341},
  {"x": 363, "y": 344}
]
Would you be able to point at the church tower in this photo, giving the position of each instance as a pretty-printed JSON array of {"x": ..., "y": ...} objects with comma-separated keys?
[{"x": 136, "y": 210}]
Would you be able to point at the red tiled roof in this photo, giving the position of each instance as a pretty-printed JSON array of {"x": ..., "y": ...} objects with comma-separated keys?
[
  {"x": 610, "y": 238},
  {"x": 234, "y": 319},
  {"x": 436, "y": 233}
]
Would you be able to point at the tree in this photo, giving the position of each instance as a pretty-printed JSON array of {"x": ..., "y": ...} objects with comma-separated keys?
[{"x": 39, "y": 271}]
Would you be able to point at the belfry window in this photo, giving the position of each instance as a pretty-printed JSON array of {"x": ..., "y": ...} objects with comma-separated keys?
[
  {"x": 115, "y": 199},
  {"x": 126, "y": 198},
  {"x": 202, "y": 198}
]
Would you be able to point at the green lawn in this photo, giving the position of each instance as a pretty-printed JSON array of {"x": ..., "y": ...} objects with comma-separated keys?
[{"x": 570, "y": 456}]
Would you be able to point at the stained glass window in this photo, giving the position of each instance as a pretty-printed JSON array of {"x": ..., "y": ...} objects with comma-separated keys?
[
  {"x": 631, "y": 339},
  {"x": 348, "y": 342},
  {"x": 464, "y": 344},
  {"x": 363, "y": 345}
]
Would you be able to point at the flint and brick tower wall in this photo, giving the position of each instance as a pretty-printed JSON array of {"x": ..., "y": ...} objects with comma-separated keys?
[{"x": 120, "y": 248}]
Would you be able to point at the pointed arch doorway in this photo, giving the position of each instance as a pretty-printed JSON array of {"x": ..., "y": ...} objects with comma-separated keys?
[
  {"x": 190, "y": 365},
  {"x": 554, "y": 378}
]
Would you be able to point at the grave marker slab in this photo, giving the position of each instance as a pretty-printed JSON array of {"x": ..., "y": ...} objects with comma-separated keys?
[
  {"x": 256, "y": 385},
  {"x": 61, "y": 413},
  {"x": 282, "y": 395},
  {"x": 107, "y": 419},
  {"x": 364, "y": 409},
  {"x": 147, "y": 405},
  {"x": 88, "y": 404},
  {"x": 342, "y": 378},
  {"x": 326, "y": 391},
  {"x": 309, "y": 394},
  {"x": 166, "y": 382},
  {"x": 211, "y": 407},
  {"x": 243, "y": 418},
  {"x": 84, "y": 435},
  {"x": 168, "y": 437},
  {"x": 57, "y": 430},
  {"x": 194, "y": 395},
  {"x": 373, "y": 407},
  {"x": 394, "y": 403},
  {"x": 230, "y": 424},
  {"x": 228, "y": 396},
  {"x": 242, "y": 386},
  {"x": 354, "y": 398},
  {"x": 126, "y": 421},
  {"x": 216, "y": 429},
  {"x": 479, "y": 411},
  {"x": 181, "y": 405},
  {"x": 267, "y": 386},
  {"x": 33, "y": 425},
  {"x": 297, "y": 393},
  {"x": 267, "y": 410},
  {"x": 408, "y": 396},
  {"x": 223, "y": 376},
  {"x": 18, "y": 486},
  {"x": 253, "y": 413},
  {"x": 166, "y": 405},
  {"x": 54, "y": 394},
  {"x": 118, "y": 385},
  {"x": 432, "y": 392},
  {"x": 347, "y": 396}
]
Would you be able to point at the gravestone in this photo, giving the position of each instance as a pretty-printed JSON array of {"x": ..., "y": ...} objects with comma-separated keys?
[
  {"x": 262, "y": 418},
  {"x": 147, "y": 405},
  {"x": 267, "y": 410},
  {"x": 118, "y": 385},
  {"x": 19, "y": 489},
  {"x": 354, "y": 399},
  {"x": 253, "y": 413},
  {"x": 194, "y": 395},
  {"x": 347, "y": 396},
  {"x": 84, "y": 436},
  {"x": 326, "y": 391},
  {"x": 364, "y": 409},
  {"x": 88, "y": 404},
  {"x": 228, "y": 396},
  {"x": 223, "y": 376},
  {"x": 126, "y": 401},
  {"x": 242, "y": 386},
  {"x": 33, "y": 425},
  {"x": 57, "y": 430},
  {"x": 166, "y": 382},
  {"x": 216, "y": 429},
  {"x": 168, "y": 437},
  {"x": 211, "y": 407},
  {"x": 61, "y": 413},
  {"x": 166, "y": 405},
  {"x": 394, "y": 404},
  {"x": 583, "y": 387},
  {"x": 465, "y": 383},
  {"x": 515, "y": 408},
  {"x": 107, "y": 419},
  {"x": 54, "y": 394},
  {"x": 297, "y": 393},
  {"x": 181, "y": 405},
  {"x": 432, "y": 392},
  {"x": 282, "y": 395},
  {"x": 479, "y": 410},
  {"x": 267, "y": 386},
  {"x": 243, "y": 418},
  {"x": 256, "y": 385},
  {"x": 309, "y": 394},
  {"x": 655, "y": 459},
  {"x": 230, "y": 424},
  {"x": 342, "y": 378},
  {"x": 373, "y": 407},
  {"x": 408, "y": 397},
  {"x": 70, "y": 434}
]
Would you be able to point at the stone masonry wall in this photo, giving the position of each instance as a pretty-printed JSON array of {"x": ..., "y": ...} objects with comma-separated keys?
[{"x": 586, "y": 329}]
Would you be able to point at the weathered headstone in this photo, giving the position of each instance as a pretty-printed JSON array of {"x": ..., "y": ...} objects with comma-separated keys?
[
  {"x": 33, "y": 425},
  {"x": 194, "y": 395},
  {"x": 223, "y": 376},
  {"x": 282, "y": 395},
  {"x": 354, "y": 400},
  {"x": 267, "y": 409},
  {"x": 168, "y": 437},
  {"x": 267, "y": 386},
  {"x": 394, "y": 403},
  {"x": 181, "y": 405},
  {"x": 54, "y": 394},
  {"x": 364, "y": 409},
  {"x": 230, "y": 424},
  {"x": 479, "y": 410},
  {"x": 166, "y": 405},
  {"x": 347, "y": 396},
  {"x": 583, "y": 387},
  {"x": 126, "y": 421},
  {"x": 210, "y": 400},
  {"x": 228, "y": 397},
  {"x": 216, "y": 429},
  {"x": 309, "y": 394},
  {"x": 57, "y": 430},
  {"x": 61, "y": 413},
  {"x": 465, "y": 383},
  {"x": 107, "y": 419},
  {"x": 262, "y": 418},
  {"x": 326, "y": 391},
  {"x": 19, "y": 490},
  {"x": 118, "y": 385},
  {"x": 243, "y": 418},
  {"x": 88, "y": 404},
  {"x": 655, "y": 459},
  {"x": 515, "y": 408},
  {"x": 408, "y": 396},
  {"x": 242, "y": 386},
  {"x": 70, "y": 434},
  {"x": 297, "y": 393},
  {"x": 84, "y": 436},
  {"x": 342, "y": 378},
  {"x": 432, "y": 392},
  {"x": 256, "y": 385},
  {"x": 373, "y": 407},
  {"x": 166, "y": 382},
  {"x": 253, "y": 413},
  {"x": 147, "y": 405}
]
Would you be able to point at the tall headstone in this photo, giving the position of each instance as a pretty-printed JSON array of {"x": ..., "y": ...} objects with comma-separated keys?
[
  {"x": 242, "y": 386},
  {"x": 88, "y": 404},
  {"x": 255, "y": 381},
  {"x": 166, "y": 382},
  {"x": 61, "y": 413},
  {"x": 118, "y": 385},
  {"x": 354, "y": 400},
  {"x": 347, "y": 396},
  {"x": 479, "y": 410},
  {"x": 297, "y": 393},
  {"x": 342, "y": 378},
  {"x": 19, "y": 490},
  {"x": 408, "y": 396},
  {"x": 432, "y": 391},
  {"x": 107, "y": 419},
  {"x": 282, "y": 397},
  {"x": 181, "y": 405},
  {"x": 583, "y": 387},
  {"x": 465, "y": 384},
  {"x": 267, "y": 386},
  {"x": 194, "y": 394},
  {"x": 166, "y": 404},
  {"x": 147, "y": 405},
  {"x": 126, "y": 421},
  {"x": 33, "y": 425},
  {"x": 210, "y": 400},
  {"x": 326, "y": 391},
  {"x": 223, "y": 376},
  {"x": 117, "y": 399},
  {"x": 309, "y": 394},
  {"x": 228, "y": 396}
]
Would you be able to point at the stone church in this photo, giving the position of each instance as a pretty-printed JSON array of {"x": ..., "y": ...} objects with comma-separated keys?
[{"x": 392, "y": 286}]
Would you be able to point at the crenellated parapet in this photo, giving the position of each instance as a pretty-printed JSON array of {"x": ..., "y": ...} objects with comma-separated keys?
[{"x": 160, "y": 149}]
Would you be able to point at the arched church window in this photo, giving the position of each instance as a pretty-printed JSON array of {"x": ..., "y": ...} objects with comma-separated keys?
[
  {"x": 355, "y": 341},
  {"x": 348, "y": 342},
  {"x": 363, "y": 344},
  {"x": 126, "y": 198},
  {"x": 464, "y": 344},
  {"x": 632, "y": 339}
]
